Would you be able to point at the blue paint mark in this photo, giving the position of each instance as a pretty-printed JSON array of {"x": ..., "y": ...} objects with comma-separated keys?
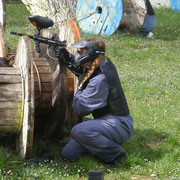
[
  {"x": 99, "y": 16},
  {"x": 175, "y": 4}
]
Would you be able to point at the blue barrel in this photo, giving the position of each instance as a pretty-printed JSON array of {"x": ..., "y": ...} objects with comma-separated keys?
[
  {"x": 100, "y": 17},
  {"x": 175, "y": 4}
]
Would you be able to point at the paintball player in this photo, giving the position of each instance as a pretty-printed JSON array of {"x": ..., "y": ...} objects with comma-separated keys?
[
  {"x": 149, "y": 22},
  {"x": 100, "y": 93}
]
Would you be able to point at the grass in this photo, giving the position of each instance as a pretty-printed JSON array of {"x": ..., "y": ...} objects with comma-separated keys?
[{"x": 149, "y": 71}]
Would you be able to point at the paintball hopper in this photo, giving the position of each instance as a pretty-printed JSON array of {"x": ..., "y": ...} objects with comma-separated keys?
[{"x": 41, "y": 22}]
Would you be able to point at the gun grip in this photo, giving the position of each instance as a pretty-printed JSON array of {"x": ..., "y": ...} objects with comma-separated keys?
[{"x": 37, "y": 47}]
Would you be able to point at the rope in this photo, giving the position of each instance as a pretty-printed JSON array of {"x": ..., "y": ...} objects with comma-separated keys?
[{"x": 39, "y": 80}]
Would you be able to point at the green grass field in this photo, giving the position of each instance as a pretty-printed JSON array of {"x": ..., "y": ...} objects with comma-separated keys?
[{"x": 150, "y": 74}]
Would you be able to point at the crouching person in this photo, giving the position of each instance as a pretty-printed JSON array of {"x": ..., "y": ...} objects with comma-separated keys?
[{"x": 100, "y": 93}]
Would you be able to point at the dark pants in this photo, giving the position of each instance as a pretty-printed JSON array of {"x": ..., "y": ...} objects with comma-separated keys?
[{"x": 101, "y": 137}]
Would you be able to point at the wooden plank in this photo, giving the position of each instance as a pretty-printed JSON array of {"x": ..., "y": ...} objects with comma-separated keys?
[
  {"x": 11, "y": 87},
  {"x": 10, "y": 79},
  {"x": 10, "y": 105},
  {"x": 43, "y": 105},
  {"x": 46, "y": 87},
  {"x": 9, "y": 121},
  {"x": 10, "y": 113},
  {"x": 8, "y": 129},
  {"x": 44, "y": 96},
  {"x": 43, "y": 78},
  {"x": 43, "y": 70},
  {"x": 10, "y": 96},
  {"x": 40, "y": 63},
  {"x": 9, "y": 70}
]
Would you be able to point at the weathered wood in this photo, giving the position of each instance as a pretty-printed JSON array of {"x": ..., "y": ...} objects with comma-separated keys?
[
  {"x": 41, "y": 62},
  {"x": 46, "y": 87},
  {"x": 13, "y": 96},
  {"x": 44, "y": 78},
  {"x": 133, "y": 15},
  {"x": 11, "y": 113},
  {"x": 8, "y": 121},
  {"x": 2, "y": 12},
  {"x": 56, "y": 10},
  {"x": 43, "y": 70},
  {"x": 11, "y": 87},
  {"x": 45, "y": 96},
  {"x": 23, "y": 61},
  {"x": 8, "y": 130},
  {"x": 10, "y": 78},
  {"x": 9, "y": 70},
  {"x": 3, "y": 43}
]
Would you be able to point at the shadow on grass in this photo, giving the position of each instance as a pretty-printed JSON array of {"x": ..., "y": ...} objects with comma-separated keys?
[{"x": 146, "y": 145}]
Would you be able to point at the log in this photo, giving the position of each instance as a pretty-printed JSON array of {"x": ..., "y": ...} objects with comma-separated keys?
[{"x": 2, "y": 12}]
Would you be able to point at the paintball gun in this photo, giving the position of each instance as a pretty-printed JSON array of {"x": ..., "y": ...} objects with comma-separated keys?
[
  {"x": 59, "y": 46},
  {"x": 40, "y": 23}
]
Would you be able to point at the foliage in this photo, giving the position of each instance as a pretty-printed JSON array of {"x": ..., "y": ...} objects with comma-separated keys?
[{"x": 149, "y": 72}]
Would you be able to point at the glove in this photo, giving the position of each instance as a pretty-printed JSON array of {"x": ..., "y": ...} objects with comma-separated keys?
[{"x": 62, "y": 54}]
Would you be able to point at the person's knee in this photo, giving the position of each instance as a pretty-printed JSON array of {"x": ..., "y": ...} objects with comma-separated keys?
[
  {"x": 81, "y": 133},
  {"x": 76, "y": 132}
]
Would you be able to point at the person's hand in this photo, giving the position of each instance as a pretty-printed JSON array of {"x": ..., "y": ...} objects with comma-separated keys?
[{"x": 62, "y": 54}]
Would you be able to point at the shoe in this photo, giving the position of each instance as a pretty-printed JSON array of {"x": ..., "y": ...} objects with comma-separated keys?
[
  {"x": 150, "y": 35},
  {"x": 122, "y": 156}
]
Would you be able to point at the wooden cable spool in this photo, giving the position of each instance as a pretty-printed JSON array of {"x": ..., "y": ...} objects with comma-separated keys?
[
  {"x": 17, "y": 99},
  {"x": 133, "y": 15},
  {"x": 54, "y": 115},
  {"x": 105, "y": 17}
]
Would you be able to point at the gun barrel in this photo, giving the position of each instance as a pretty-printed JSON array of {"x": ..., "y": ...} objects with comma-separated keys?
[{"x": 43, "y": 40}]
